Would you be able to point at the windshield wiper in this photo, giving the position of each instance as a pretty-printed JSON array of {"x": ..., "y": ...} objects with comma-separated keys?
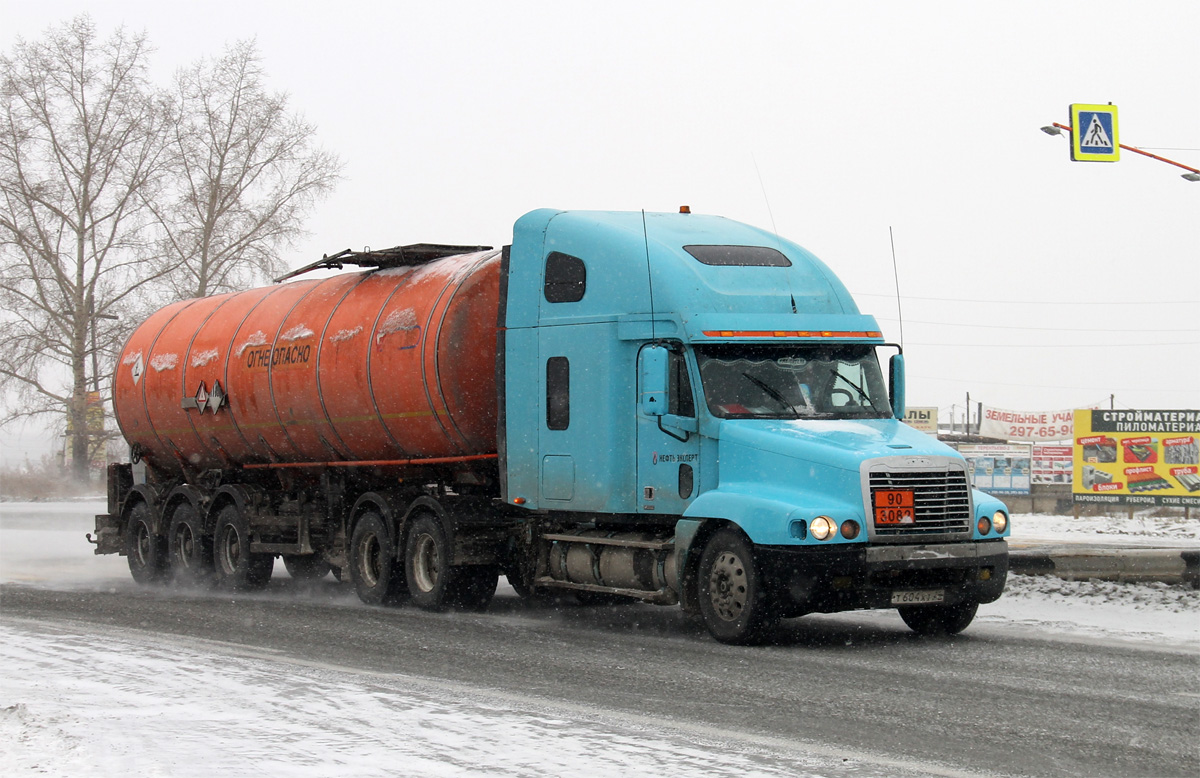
[
  {"x": 862, "y": 394},
  {"x": 774, "y": 393}
]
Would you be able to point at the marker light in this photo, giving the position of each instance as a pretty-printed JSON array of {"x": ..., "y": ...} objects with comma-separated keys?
[
  {"x": 823, "y": 528},
  {"x": 984, "y": 526},
  {"x": 1000, "y": 522},
  {"x": 790, "y": 334}
]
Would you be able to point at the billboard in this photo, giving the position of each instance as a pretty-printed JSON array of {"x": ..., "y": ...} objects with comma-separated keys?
[
  {"x": 1031, "y": 426},
  {"x": 923, "y": 419},
  {"x": 998, "y": 468},
  {"x": 1137, "y": 457},
  {"x": 1052, "y": 464}
]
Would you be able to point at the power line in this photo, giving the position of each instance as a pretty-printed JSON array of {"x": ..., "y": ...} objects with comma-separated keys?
[
  {"x": 1034, "y": 329},
  {"x": 1059, "y": 345},
  {"x": 1036, "y": 302}
]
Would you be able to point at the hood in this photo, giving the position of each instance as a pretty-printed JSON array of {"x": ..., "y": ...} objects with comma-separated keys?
[{"x": 842, "y": 443}]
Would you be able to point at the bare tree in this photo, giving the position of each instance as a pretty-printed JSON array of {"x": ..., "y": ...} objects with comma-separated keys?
[
  {"x": 80, "y": 149},
  {"x": 246, "y": 172}
]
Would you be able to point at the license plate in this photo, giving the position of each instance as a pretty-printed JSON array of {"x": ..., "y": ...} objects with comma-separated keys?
[
  {"x": 922, "y": 597},
  {"x": 895, "y": 506}
]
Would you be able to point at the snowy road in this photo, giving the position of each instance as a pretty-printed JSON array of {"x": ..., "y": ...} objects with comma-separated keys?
[{"x": 99, "y": 677}]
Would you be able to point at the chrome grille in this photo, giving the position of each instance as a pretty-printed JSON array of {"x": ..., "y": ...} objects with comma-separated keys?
[{"x": 942, "y": 501}]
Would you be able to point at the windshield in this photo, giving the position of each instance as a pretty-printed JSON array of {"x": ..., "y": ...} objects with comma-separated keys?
[{"x": 743, "y": 381}]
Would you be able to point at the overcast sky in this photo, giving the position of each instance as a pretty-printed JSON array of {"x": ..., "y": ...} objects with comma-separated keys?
[{"x": 1029, "y": 281}]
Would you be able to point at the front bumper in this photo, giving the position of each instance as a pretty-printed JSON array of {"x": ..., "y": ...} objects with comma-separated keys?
[{"x": 828, "y": 579}]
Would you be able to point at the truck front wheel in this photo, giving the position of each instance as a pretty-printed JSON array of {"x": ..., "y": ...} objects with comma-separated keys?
[
  {"x": 939, "y": 619},
  {"x": 146, "y": 551},
  {"x": 235, "y": 566},
  {"x": 734, "y": 603}
]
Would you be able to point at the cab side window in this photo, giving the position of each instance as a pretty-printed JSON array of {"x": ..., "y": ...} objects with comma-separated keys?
[
  {"x": 566, "y": 278},
  {"x": 679, "y": 389},
  {"x": 558, "y": 393}
]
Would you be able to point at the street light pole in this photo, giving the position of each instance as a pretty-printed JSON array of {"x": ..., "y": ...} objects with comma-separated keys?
[{"x": 1192, "y": 173}]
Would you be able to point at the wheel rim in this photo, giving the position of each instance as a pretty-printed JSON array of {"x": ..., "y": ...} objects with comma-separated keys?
[
  {"x": 370, "y": 552},
  {"x": 142, "y": 544},
  {"x": 727, "y": 586},
  {"x": 185, "y": 544},
  {"x": 426, "y": 563},
  {"x": 231, "y": 549}
]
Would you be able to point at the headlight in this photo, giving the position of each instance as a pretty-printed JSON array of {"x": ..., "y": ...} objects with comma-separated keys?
[
  {"x": 984, "y": 525},
  {"x": 1000, "y": 522},
  {"x": 823, "y": 528},
  {"x": 849, "y": 529}
]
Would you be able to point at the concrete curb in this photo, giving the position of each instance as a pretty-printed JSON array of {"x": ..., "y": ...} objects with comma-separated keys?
[{"x": 1077, "y": 563}]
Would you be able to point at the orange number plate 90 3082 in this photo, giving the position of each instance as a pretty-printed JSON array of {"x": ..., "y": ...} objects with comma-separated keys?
[{"x": 895, "y": 506}]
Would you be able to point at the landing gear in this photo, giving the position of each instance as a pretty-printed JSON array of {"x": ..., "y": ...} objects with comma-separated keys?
[
  {"x": 939, "y": 619},
  {"x": 734, "y": 603}
]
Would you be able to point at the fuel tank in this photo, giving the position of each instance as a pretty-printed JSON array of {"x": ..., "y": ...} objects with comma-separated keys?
[{"x": 384, "y": 365}]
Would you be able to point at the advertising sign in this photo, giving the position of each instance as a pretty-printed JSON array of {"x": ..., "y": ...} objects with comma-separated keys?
[
  {"x": 1032, "y": 426},
  {"x": 1052, "y": 464},
  {"x": 998, "y": 469},
  {"x": 923, "y": 419},
  {"x": 1137, "y": 457}
]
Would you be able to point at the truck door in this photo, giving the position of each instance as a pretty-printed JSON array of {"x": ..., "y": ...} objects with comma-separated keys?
[{"x": 668, "y": 456}]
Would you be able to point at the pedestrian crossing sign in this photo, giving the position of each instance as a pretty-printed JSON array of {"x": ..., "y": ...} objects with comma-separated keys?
[{"x": 1094, "y": 133}]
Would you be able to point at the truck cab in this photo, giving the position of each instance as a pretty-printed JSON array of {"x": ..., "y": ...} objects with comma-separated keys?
[{"x": 694, "y": 409}]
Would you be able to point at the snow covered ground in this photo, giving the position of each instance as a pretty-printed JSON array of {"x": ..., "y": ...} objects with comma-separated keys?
[{"x": 71, "y": 699}]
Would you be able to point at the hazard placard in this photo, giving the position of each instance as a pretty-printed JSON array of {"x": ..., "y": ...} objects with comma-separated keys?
[{"x": 1094, "y": 133}]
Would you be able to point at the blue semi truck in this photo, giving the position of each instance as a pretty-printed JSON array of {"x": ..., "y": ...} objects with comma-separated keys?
[
  {"x": 687, "y": 410},
  {"x": 714, "y": 404}
]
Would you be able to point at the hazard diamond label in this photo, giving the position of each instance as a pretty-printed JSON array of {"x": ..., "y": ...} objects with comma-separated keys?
[{"x": 1094, "y": 133}]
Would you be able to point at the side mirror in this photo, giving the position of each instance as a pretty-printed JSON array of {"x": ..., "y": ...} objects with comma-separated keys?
[
  {"x": 896, "y": 384},
  {"x": 653, "y": 390}
]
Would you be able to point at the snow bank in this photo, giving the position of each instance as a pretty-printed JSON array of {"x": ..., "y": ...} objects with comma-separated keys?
[{"x": 1138, "y": 531}]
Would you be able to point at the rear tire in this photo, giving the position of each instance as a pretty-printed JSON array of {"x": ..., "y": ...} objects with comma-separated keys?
[
  {"x": 235, "y": 566},
  {"x": 734, "y": 604},
  {"x": 190, "y": 549},
  {"x": 145, "y": 550},
  {"x": 434, "y": 584},
  {"x": 427, "y": 564},
  {"x": 939, "y": 619},
  {"x": 373, "y": 569}
]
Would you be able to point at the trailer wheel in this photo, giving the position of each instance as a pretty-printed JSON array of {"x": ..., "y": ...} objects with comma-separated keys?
[
  {"x": 734, "y": 604},
  {"x": 939, "y": 619},
  {"x": 306, "y": 567},
  {"x": 190, "y": 550},
  {"x": 235, "y": 566},
  {"x": 373, "y": 569},
  {"x": 146, "y": 551}
]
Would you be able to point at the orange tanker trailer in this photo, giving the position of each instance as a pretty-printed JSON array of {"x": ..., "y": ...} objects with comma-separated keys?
[{"x": 325, "y": 371}]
